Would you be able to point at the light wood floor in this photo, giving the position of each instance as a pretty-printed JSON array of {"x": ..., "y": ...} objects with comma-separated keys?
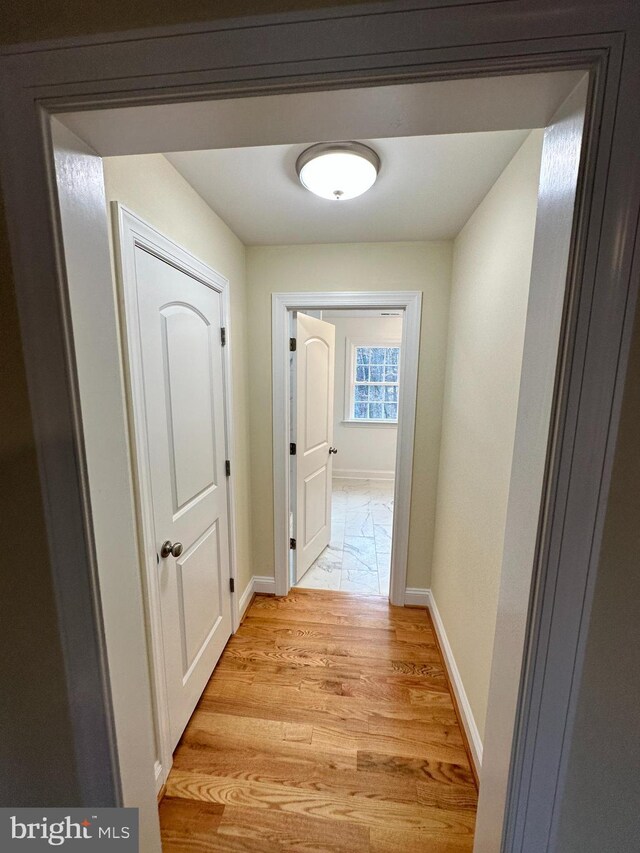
[{"x": 328, "y": 725}]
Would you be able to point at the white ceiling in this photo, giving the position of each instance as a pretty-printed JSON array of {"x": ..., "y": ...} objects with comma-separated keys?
[
  {"x": 427, "y": 188},
  {"x": 371, "y": 112},
  {"x": 442, "y": 144}
]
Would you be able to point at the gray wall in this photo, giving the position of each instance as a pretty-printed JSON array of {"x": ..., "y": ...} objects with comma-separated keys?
[
  {"x": 601, "y": 809},
  {"x": 36, "y": 754},
  {"x": 30, "y": 20}
]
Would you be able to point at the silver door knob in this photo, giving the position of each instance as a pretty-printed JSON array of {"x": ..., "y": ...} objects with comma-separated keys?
[
  {"x": 333, "y": 450},
  {"x": 171, "y": 549}
]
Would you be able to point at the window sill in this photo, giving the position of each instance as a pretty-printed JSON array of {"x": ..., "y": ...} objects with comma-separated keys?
[{"x": 355, "y": 422}]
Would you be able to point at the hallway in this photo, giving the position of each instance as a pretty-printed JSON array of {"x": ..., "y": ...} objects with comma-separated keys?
[{"x": 327, "y": 725}]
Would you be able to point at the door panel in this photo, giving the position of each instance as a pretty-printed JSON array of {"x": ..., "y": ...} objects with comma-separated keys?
[
  {"x": 318, "y": 366},
  {"x": 314, "y": 428},
  {"x": 197, "y": 573},
  {"x": 315, "y": 505},
  {"x": 180, "y": 319},
  {"x": 188, "y": 379}
]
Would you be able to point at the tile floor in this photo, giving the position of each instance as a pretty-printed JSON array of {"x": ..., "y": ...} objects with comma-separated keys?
[{"x": 358, "y": 558}]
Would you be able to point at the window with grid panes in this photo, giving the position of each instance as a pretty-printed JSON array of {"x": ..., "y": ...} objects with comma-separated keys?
[{"x": 375, "y": 383}]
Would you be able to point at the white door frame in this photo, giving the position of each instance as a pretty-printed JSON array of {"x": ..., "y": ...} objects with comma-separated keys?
[
  {"x": 281, "y": 305},
  {"x": 131, "y": 232}
]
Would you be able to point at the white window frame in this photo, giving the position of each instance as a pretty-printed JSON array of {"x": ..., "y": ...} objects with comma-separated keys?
[{"x": 349, "y": 379}]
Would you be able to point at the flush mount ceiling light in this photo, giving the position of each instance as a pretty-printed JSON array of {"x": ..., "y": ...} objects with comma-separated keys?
[{"x": 338, "y": 170}]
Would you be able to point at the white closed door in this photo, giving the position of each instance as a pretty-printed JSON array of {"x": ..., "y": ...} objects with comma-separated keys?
[
  {"x": 315, "y": 360},
  {"x": 179, "y": 321}
]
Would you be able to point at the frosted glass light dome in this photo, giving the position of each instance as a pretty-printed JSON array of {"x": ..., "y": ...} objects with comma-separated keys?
[{"x": 338, "y": 170}]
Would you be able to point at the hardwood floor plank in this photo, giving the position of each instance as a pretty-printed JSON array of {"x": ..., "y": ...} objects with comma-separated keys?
[
  {"x": 327, "y": 725},
  {"x": 266, "y": 629},
  {"x": 414, "y": 632},
  {"x": 263, "y": 831},
  {"x": 279, "y": 764},
  {"x": 364, "y": 683},
  {"x": 448, "y": 796},
  {"x": 428, "y": 770},
  {"x": 188, "y": 826},
  {"x": 207, "y": 739},
  {"x": 437, "y": 746},
  {"x": 293, "y": 705},
  {"x": 395, "y": 840},
  {"x": 443, "y": 726},
  {"x": 299, "y": 656},
  {"x": 385, "y": 648},
  {"x": 367, "y": 811},
  {"x": 247, "y": 766},
  {"x": 357, "y": 618},
  {"x": 426, "y": 695}
]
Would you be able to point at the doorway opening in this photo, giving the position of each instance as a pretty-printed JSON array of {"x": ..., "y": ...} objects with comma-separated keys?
[
  {"x": 419, "y": 331},
  {"x": 359, "y": 314},
  {"x": 348, "y": 546}
]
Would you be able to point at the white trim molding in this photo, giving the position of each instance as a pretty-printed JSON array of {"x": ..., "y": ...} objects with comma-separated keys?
[
  {"x": 457, "y": 685},
  {"x": 415, "y": 597},
  {"x": 357, "y": 474},
  {"x": 244, "y": 601},
  {"x": 282, "y": 304},
  {"x": 264, "y": 585}
]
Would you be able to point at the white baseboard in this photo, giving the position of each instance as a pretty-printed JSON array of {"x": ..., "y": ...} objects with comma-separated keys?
[
  {"x": 355, "y": 474},
  {"x": 416, "y": 597},
  {"x": 264, "y": 584},
  {"x": 245, "y": 600},
  {"x": 471, "y": 729}
]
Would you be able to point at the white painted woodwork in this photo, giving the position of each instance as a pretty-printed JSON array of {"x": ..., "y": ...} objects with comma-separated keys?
[
  {"x": 315, "y": 365},
  {"x": 559, "y": 172},
  {"x": 83, "y": 213},
  {"x": 408, "y": 301},
  {"x": 182, "y": 373}
]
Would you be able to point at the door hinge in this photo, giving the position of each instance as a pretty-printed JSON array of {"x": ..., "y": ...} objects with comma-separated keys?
[
  {"x": 292, "y": 449},
  {"x": 227, "y": 467},
  {"x": 232, "y": 585},
  {"x": 223, "y": 336},
  {"x": 292, "y": 544},
  {"x": 292, "y": 345}
]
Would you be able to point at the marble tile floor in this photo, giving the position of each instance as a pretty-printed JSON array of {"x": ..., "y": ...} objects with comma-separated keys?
[{"x": 358, "y": 558}]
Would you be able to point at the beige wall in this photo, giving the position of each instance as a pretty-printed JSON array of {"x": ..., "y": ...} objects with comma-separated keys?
[
  {"x": 361, "y": 448},
  {"x": 490, "y": 286},
  {"x": 336, "y": 267},
  {"x": 151, "y": 187}
]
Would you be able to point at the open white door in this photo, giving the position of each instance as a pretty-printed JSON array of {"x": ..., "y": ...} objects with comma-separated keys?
[
  {"x": 315, "y": 352},
  {"x": 180, "y": 353}
]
